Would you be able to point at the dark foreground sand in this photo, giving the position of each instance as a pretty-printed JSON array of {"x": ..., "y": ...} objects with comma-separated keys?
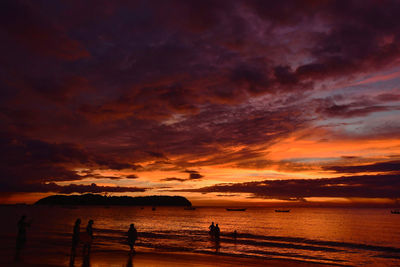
[{"x": 148, "y": 258}]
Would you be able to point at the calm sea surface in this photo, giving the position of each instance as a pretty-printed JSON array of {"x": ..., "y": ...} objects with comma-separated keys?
[{"x": 350, "y": 236}]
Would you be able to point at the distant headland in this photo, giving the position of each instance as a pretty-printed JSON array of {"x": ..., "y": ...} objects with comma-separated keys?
[{"x": 95, "y": 199}]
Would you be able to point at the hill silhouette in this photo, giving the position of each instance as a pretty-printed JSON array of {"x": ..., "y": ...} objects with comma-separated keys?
[{"x": 95, "y": 199}]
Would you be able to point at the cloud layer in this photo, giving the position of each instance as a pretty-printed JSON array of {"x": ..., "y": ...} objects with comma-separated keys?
[
  {"x": 126, "y": 94},
  {"x": 365, "y": 186}
]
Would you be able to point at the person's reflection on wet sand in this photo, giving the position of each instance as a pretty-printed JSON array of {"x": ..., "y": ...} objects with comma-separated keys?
[
  {"x": 235, "y": 236},
  {"x": 129, "y": 262},
  {"x": 21, "y": 237},
  {"x": 75, "y": 241},
  {"x": 86, "y": 260},
  {"x": 217, "y": 245}
]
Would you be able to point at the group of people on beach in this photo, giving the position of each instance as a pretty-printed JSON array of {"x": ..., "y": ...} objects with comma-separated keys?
[
  {"x": 86, "y": 237},
  {"x": 215, "y": 232}
]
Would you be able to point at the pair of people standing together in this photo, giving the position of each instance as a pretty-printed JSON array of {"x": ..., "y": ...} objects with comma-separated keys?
[
  {"x": 214, "y": 230},
  {"x": 86, "y": 238}
]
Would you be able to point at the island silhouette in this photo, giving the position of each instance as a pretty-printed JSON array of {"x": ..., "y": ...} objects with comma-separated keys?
[{"x": 96, "y": 199}]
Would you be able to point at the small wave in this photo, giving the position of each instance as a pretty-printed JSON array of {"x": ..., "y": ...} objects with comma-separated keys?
[
  {"x": 260, "y": 240},
  {"x": 247, "y": 245},
  {"x": 320, "y": 242}
]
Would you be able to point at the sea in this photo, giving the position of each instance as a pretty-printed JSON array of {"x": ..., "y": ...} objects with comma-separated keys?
[{"x": 333, "y": 236}]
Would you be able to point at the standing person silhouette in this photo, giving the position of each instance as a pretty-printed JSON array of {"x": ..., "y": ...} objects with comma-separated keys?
[
  {"x": 217, "y": 232},
  {"x": 75, "y": 241},
  {"x": 21, "y": 236},
  {"x": 212, "y": 229},
  {"x": 132, "y": 236},
  {"x": 216, "y": 236},
  {"x": 88, "y": 242}
]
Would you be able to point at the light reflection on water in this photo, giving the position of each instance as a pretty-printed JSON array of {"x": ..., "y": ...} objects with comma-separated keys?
[{"x": 331, "y": 235}]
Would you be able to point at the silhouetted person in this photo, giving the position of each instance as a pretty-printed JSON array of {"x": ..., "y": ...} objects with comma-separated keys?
[
  {"x": 86, "y": 260},
  {"x": 89, "y": 228},
  {"x": 216, "y": 232},
  {"x": 75, "y": 241},
  {"x": 212, "y": 229},
  {"x": 132, "y": 236},
  {"x": 88, "y": 243},
  {"x": 21, "y": 236},
  {"x": 129, "y": 262}
]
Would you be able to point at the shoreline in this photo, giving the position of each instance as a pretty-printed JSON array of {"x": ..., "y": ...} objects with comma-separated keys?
[{"x": 151, "y": 257}]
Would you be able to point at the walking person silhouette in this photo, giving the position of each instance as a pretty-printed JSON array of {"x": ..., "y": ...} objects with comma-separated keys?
[
  {"x": 216, "y": 236},
  {"x": 132, "y": 236},
  {"x": 75, "y": 241},
  {"x": 21, "y": 236},
  {"x": 88, "y": 238},
  {"x": 217, "y": 232},
  {"x": 212, "y": 229}
]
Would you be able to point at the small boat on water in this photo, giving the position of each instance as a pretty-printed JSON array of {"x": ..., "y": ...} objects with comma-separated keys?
[
  {"x": 282, "y": 210},
  {"x": 153, "y": 208},
  {"x": 241, "y": 209},
  {"x": 395, "y": 211},
  {"x": 189, "y": 208}
]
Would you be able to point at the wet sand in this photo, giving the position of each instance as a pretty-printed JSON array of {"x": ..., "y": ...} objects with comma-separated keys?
[{"x": 150, "y": 257}]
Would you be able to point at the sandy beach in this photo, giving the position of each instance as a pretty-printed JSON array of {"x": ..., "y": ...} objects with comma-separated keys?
[
  {"x": 147, "y": 257},
  {"x": 177, "y": 237}
]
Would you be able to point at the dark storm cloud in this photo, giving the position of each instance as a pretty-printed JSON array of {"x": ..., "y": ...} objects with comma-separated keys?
[
  {"x": 388, "y": 97},
  {"x": 98, "y": 176},
  {"x": 364, "y": 36},
  {"x": 193, "y": 176},
  {"x": 93, "y": 188},
  {"x": 364, "y": 186},
  {"x": 29, "y": 163},
  {"x": 156, "y": 154},
  {"x": 25, "y": 25},
  {"x": 174, "y": 179},
  {"x": 348, "y": 111},
  {"x": 23, "y": 151},
  {"x": 161, "y": 62},
  {"x": 332, "y": 106},
  {"x": 388, "y": 166},
  {"x": 71, "y": 188},
  {"x": 110, "y": 163},
  {"x": 147, "y": 63}
]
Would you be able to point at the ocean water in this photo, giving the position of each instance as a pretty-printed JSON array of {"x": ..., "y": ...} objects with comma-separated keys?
[{"x": 339, "y": 236}]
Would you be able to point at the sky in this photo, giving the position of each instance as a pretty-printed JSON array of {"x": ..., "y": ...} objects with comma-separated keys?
[{"x": 223, "y": 102}]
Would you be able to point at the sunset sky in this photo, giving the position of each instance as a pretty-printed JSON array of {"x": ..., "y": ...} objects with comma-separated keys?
[{"x": 223, "y": 102}]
